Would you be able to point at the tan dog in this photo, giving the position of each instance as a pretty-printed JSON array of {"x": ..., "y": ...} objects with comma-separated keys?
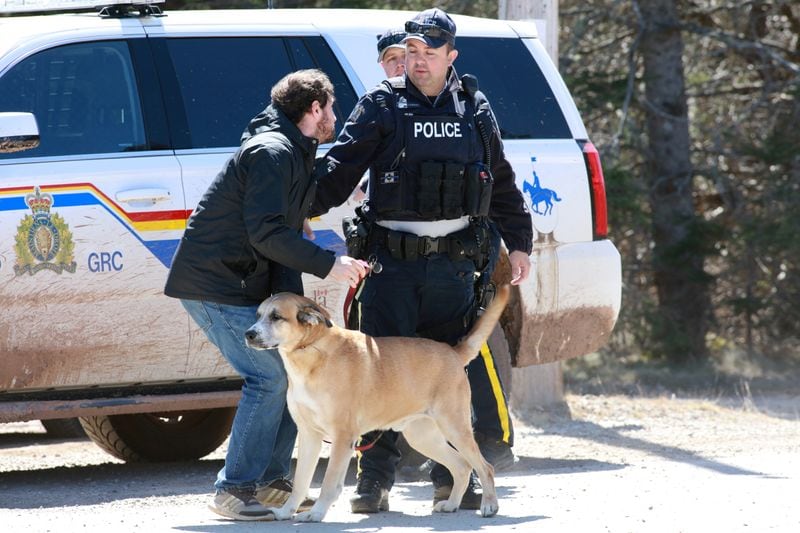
[{"x": 343, "y": 383}]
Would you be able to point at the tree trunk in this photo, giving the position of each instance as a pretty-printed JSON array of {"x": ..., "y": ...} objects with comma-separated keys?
[{"x": 681, "y": 283}]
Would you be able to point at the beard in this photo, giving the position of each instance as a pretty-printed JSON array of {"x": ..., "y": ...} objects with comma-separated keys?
[{"x": 325, "y": 131}]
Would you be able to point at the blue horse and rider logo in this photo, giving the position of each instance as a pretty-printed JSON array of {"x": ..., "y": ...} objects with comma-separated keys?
[{"x": 541, "y": 199}]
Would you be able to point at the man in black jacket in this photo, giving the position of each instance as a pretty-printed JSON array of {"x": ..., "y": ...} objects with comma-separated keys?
[{"x": 243, "y": 243}]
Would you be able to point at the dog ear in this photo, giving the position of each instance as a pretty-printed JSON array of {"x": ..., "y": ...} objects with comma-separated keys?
[{"x": 312, "y": 315}]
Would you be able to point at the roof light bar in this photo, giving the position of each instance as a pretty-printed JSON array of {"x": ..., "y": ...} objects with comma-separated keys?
[{"x": 31, "y": 6}]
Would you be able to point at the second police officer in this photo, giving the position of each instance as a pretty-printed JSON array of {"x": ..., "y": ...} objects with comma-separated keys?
[
  {"x": 437, "y": 172},
  {"x": 392, "y": 53},
  {"x": 392, "y": 59}
]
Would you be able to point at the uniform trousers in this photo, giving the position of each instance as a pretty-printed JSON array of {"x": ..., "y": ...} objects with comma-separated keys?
[{"x": 430, "y": 294}]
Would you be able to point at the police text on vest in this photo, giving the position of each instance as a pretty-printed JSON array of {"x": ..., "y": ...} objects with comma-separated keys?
[{"x": 431, "y": 130}]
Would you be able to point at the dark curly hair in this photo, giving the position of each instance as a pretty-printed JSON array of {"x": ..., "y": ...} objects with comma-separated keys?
[{"x": 295, "y": 92}]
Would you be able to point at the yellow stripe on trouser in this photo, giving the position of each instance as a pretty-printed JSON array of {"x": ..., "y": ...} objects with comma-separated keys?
[{"x": 497, "y": 390}]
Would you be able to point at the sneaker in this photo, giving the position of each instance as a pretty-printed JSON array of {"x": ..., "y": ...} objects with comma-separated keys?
[
  {"x": 371, "y": 497},
  {"x": 276, "y": 493},
  {"x": 471, "y": 498},
  {"x": 497, "y": 452},
  {"x": 239, "y": 504}
]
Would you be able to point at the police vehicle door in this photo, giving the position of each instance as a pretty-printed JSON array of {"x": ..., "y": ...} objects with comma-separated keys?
[{"x": 89, "y": 221}]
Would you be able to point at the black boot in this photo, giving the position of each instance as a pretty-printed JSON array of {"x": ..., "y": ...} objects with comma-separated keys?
[
  {"x": 497, "y": 452},
  {"x": 470, "y": 500},
  {"x": 371, "y": 496}
]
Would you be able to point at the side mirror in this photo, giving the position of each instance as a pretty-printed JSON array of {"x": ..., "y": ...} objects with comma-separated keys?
[{"x": 18, "y": 131}]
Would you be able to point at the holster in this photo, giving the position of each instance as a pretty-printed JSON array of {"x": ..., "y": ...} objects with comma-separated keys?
[{"x": 356, "y": 233}]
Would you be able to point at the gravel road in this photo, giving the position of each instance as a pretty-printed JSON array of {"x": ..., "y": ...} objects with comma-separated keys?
[{"x": 600, "y": 463}]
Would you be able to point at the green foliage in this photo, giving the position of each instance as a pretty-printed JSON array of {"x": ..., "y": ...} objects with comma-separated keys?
[
  {"x": 624, "y": 192},
  {"x": 743, "y": 82}
]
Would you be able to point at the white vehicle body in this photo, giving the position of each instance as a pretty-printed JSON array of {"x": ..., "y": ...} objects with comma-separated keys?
[{"x": 85, "y": 318}]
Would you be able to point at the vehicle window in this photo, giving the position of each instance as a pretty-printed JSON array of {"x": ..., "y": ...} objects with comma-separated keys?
[
  {"x": 314, "y": 52},
  {"x": 518, "y": 91},
  {"x": 83, "y": 96},
  {"x": 225, "y": 82}
]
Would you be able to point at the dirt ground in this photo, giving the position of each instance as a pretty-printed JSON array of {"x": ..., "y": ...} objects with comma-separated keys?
[{"x": 619, "y": 455}]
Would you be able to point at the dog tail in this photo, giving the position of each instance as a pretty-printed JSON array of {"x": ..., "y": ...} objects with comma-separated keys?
[{"x": 470, "y": 346}]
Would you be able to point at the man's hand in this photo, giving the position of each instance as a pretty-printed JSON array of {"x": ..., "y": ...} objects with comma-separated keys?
[
  {"x": 348, "y": 270},
  {"x": 307, "y": 229},
  {"x": 520, "y": 266}
]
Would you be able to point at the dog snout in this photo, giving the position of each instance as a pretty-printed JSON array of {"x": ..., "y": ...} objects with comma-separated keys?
[
  {"x": 256, "y": 338},
  {"x": 251, "y": 336}
]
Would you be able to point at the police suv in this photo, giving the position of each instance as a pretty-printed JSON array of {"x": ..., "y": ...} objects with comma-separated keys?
[{"x": 112, "y": 125}]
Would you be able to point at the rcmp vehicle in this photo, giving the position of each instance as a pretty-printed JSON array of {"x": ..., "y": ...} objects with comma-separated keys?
[{"x": 112, "y": 125}]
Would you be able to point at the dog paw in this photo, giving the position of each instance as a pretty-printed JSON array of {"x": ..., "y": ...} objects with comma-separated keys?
[
  {"x": 281, "y": 513},
  {"x": 310, "y": 516},
  {"x": 445, "y": 506},
  {"x": 489, "y": 509}
]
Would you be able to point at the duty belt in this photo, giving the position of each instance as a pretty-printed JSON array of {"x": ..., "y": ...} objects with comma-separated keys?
[{"x": 408, "y": 246}]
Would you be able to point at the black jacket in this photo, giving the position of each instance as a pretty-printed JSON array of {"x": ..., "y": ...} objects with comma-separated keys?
[
  {"x": 244, "y": 240},
  {"x": 369, "y": 130}
]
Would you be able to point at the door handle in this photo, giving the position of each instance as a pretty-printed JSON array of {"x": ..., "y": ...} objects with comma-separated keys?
[{"x": 143, "y": 196}]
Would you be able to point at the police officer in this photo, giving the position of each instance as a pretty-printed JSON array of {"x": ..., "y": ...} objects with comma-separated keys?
[
  {"x": 392, "y": 53},
  {"x": 493, "y": 427},
  {"x": 437, "y": 171}
]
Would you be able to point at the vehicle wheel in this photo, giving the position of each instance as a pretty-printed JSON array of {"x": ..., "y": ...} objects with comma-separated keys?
[
  {"x": 170, "y": 436},
  {"x": 64, "y": 428}
]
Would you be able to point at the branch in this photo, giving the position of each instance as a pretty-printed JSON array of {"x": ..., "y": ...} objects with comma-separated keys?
[
  {"x": 765, "y": 49},
  {"x": 614, "y": 148}
]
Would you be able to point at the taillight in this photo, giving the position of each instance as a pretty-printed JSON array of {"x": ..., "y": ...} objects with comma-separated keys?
[{"x": 598, "y": 186}]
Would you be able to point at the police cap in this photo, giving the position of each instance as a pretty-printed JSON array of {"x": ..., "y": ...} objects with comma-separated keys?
[{"x": 433, "y": 26}]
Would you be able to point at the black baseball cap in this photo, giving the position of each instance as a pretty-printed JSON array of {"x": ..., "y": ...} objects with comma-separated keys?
[
  {"x": 390, "y": 39},
  {"x": 433, "y": 26}
]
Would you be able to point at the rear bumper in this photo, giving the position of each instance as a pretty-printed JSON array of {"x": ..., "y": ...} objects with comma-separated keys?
[{"x": 570, "y": 302}]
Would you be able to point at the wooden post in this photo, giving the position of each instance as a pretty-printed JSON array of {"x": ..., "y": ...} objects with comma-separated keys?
[
  {"x": 539, "y": 10},
  {"x": 537, "y": 385}
]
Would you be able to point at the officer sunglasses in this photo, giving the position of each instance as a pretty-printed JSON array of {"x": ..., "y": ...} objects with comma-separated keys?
[{"x": 429, "y": 30}]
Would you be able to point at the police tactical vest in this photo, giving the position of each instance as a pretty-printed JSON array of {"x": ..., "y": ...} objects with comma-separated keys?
[{"x": 432, "y": 167}]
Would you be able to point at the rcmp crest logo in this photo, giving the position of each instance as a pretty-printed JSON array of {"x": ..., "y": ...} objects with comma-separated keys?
[{"x": 43, "y": 240}]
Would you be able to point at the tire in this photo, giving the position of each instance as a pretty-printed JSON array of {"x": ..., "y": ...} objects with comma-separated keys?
[
  {"x": 64, "y": 428},
  {"x": 158, "y": 437}
]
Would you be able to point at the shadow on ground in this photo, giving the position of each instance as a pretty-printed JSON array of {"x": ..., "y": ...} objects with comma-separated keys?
[{"x": 96, "y": 484}]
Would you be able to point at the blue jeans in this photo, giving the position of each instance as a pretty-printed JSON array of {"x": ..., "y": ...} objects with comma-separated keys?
[{"x": 263, "y": 432}]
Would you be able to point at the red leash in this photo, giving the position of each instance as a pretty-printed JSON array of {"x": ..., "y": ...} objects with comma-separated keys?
[
  {"x": 372, "y": 266},
  {"x": 363, "y": 447},
  {"x": 348, "y": 300}
]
